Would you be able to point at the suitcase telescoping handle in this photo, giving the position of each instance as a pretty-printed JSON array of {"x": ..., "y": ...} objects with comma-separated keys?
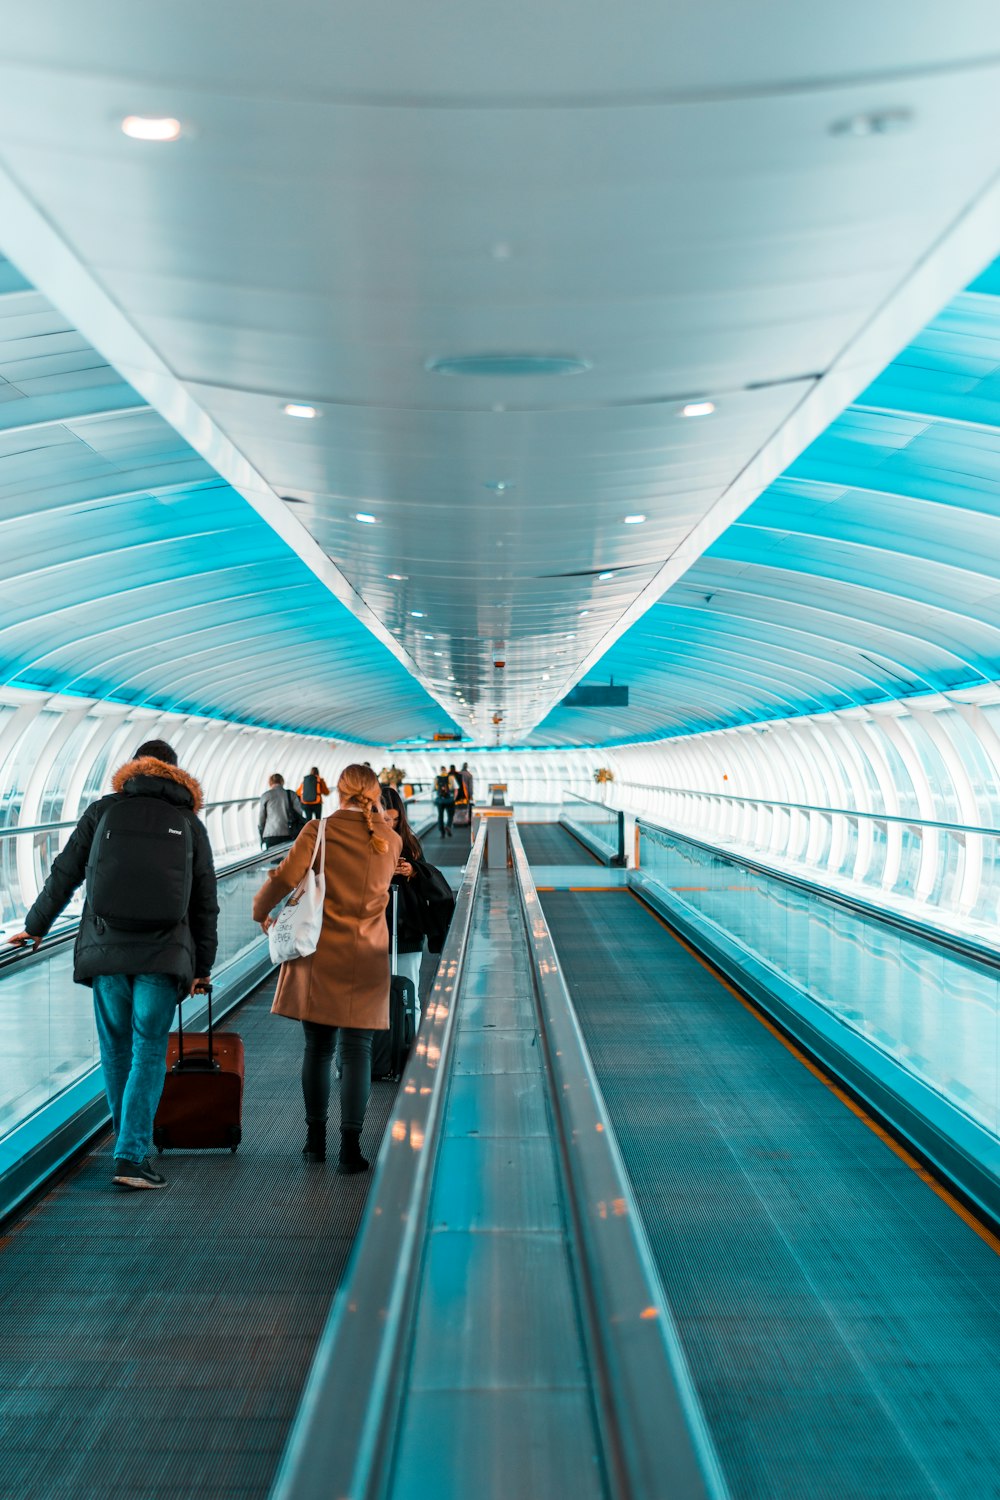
[
  {"x": 393, "y": 965},
  {"x": 199, "y": 1062}
]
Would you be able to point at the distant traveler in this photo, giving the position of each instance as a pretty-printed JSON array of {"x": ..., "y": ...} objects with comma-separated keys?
[
  {"x": 147, "y": 934},
  {"x": 311, "y": 794},
  {"x": 279, "y": 817},
  {"x": 467, "y": 783},
  {"x": 444, "y": 801},
  {"x": 425, "y": 901},
  {"x": 345, "y": 983}
]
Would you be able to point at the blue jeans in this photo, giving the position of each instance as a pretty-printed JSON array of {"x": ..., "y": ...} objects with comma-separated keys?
[{"x": 134, "y": 1013}]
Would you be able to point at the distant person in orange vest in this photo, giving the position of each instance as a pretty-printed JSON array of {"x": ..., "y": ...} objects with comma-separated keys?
[{"x": 311, "y": 794}]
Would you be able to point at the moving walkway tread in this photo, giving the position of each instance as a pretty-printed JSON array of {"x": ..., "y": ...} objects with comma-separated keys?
[
  {"x": 551, "y": 844},
  {"x": 841, "y": 1322},
  {"x": 156, "y": 1343},
  {"x": 447, "y": 853}
]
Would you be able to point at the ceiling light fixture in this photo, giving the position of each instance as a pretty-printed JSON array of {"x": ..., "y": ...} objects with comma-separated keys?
[
  {"x": 584, "y": 612},
  {"x": 365, "y": 518},
  {"x": 418, "y": 614},
  {"x": 873, "y": 122},
  {"x": 698, "y": 409},
  {"x": 296, "y": 409},
  {"x": 398, "y": 577},
  {"x": 603, "y": 577},
  {"x": 499, "y": 485},
  {"x": 634, "y": 520},
  {"x": 151, "y": 127},
  {"x": 504, "y": 365}
]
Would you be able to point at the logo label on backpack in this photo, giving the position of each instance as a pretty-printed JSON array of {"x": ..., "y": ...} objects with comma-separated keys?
[{"x": 141, "y": 866}]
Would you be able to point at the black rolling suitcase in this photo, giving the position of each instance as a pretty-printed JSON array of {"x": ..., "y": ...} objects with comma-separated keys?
[{"x": 391, "y": 1048}]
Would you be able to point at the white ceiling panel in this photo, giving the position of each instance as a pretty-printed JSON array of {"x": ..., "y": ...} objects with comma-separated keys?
[{"x": 661, "y": 193}]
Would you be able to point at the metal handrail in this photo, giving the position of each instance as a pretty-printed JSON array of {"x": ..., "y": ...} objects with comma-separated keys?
[
  {"x": 12, "y": 832},
  {"x": 64, "y": 935},
  {"x": 933, "y": 936},
  {"x": 342, "y": 1440},
  {"x": 655, "y": 1438},
  {"x": 594, "y": 801},
  {"x": 618, "y": 858},
  {"x": 844, "y": 812}
]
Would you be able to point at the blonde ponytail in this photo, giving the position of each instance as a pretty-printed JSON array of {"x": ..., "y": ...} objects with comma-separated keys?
[{"x": 359, "y": 786}]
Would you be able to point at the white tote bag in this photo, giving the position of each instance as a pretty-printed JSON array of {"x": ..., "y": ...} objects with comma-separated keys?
[{"x": 295, "y": 932}]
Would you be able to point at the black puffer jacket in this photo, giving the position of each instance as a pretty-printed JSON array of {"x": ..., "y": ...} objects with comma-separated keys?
[
  {"x": 187, "y": 950},
  {"x": 425, "y": 908}
]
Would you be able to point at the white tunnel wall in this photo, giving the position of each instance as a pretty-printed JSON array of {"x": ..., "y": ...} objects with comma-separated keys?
[
  {"x": 57, "y": 754},
  {"x": 832, "y": 796}
]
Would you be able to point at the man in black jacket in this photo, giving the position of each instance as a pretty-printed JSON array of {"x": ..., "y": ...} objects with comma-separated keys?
[{"x": 139, "y": 962}]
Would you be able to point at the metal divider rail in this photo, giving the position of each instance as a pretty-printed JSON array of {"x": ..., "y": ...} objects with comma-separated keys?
[
  {"x": 655, "y": 1438},
  {"x": 343, "y": 1440}
]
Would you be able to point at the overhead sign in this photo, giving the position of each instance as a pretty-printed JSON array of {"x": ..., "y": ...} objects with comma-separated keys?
[{"x": 596, "y": 695}]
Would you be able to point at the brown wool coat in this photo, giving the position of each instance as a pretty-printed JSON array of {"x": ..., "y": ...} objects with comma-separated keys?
[{"x": 346, "y": 981}]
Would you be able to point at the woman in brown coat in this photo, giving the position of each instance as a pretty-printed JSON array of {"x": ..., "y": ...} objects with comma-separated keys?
[{"x": 345, "y": 983}]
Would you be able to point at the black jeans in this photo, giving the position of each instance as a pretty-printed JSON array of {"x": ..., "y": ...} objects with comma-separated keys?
[
  {"x": 445, "y": 810},
  {"x": 355, "y": 1080},
  {"x": 312, "y": 810}
]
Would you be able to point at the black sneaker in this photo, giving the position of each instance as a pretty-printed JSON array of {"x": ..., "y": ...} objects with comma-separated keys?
[{"x": 137, "y": 1174}]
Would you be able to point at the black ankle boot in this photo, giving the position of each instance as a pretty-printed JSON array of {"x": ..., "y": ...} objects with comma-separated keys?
[
  {"x": 314, "y": 1149},
  {"x": 351, "y": 1159}
]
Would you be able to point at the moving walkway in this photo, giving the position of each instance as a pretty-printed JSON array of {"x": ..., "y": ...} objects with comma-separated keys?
[{"x": 639, "y": 1244}]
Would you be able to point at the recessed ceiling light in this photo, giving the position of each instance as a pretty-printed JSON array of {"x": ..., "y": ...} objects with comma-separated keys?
[
  {"x": 698, "y": 409},
  {"x": 873, "y": 122},
  {"x": 634, "y": 520},
  {"x": 151, "y": 127},
  {"x": 545, "y": 676},
  {"x": 296, "y": 409},
  {"x": 499, "y": 485},
  {"x": 602, "y": 577},
  {"x": 398, "y": 577},
  {"x": 363, "y": 516},
  {"x": 584, "y": 612},
  {"x": 418, "y": 614},
  {"x": 428, "y": 637},
  {"x": 439, "y": 653},
  {"x": 506, "y": 365}
]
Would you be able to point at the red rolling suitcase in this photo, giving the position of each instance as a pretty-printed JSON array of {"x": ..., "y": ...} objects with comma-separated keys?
[{"x": 202, "y": 1102}]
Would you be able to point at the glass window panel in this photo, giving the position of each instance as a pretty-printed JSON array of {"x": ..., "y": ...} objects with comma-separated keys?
[
  {"x": 20, "y": 763},
  {"x": 979, "y": 767},
  {"x": 941, "y": 785},
  {"x": 901, "y": 779}
]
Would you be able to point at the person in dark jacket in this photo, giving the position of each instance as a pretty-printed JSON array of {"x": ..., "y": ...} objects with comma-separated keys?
[
  {"x": 137, "y": 974},
  {"x": 444, "y": 800},
  {"x": 424, "y": 900}
]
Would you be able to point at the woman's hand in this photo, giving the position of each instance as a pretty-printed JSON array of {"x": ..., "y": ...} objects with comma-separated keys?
[
  {"x": 403, "y": 867},
  {"x": 266, "y": 924}
]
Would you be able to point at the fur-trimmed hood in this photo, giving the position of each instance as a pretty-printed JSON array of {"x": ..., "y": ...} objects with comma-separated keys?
[{"x": 147, "y": 765}]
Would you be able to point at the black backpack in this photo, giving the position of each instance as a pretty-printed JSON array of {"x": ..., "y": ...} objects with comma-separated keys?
[
  {"x": 296, "y": 819},
  {"x": 310, "y": 788},
  {"x": 141, "y": 865}
]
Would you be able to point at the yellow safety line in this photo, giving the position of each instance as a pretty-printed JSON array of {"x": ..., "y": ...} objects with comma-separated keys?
[{"x": 926, "y": 1176}]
